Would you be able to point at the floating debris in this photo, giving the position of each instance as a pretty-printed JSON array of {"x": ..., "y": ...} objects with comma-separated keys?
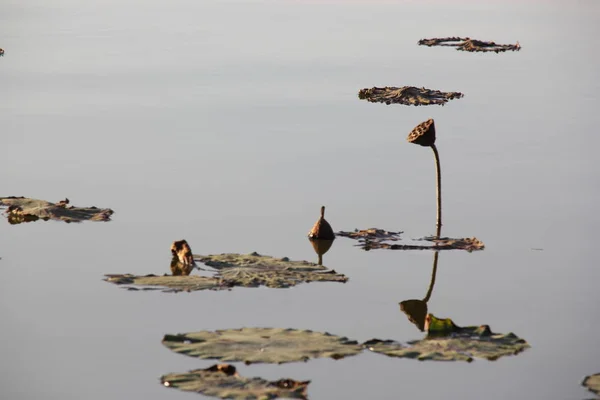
[
  {"x": 262, "y": 345},
  {"x": 407, "y": 95},
  {"x": 321, "y": 229},
  {"x": 21, "y": 209},
  {"x": 446, "y": 341},
  {"x": 380, "y": 239},
  {"x": 223, "y": 381},
  {"x": 592, "y": 383},
  {"x": 371, "y": 237},
  {"x": 468, "y": 44}
]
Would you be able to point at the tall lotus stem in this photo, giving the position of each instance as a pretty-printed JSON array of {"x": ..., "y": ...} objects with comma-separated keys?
[{"x": 424, "y": 135}]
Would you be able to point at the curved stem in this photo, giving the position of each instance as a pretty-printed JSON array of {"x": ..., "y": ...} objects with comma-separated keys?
[
  {"x": 438, "y": 172},
  {"x": 433, "y": 273},
  {"x": 320, "y": 262}
]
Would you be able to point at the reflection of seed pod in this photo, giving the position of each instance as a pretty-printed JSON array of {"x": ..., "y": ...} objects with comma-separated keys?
[
  {"x": 415, "y": 310},
  {"x": 423, "y": 134},
  {"x": 322, "y": 229},
  {"x": 321, "y": 246}
]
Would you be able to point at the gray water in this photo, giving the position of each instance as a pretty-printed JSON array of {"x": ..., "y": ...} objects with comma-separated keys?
[{"x": 230, "y": 123}]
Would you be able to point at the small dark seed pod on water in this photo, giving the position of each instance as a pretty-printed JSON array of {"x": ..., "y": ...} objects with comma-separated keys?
[{"x": 321, "y": 229}]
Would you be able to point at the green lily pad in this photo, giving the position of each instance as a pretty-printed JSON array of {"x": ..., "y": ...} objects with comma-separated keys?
[
  {"x": 261, "y": 345},
  {"x": 448, "y": 342},
  {"x": 592, "y": 383},
  {"x": 253, "y": 270},
  {"x": 407, "y": 95},
  {"x": 168, "y": 283},
  {"x": 21, "y": 209},
  {"x": 472, "y": 45},
  {"x": 224, "y": 382}
]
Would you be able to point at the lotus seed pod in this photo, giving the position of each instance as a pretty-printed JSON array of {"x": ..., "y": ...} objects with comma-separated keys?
[
  {"x": 321, "y": 229},
  {"x": 423, "y": 134}
]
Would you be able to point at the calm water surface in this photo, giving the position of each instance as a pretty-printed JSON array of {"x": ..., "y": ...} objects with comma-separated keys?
[{"x": 230, "y": 123}]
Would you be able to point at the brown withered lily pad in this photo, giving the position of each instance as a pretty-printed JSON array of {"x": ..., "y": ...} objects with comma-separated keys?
[
  {"x": 592, "y": 383},
  {"x": 407, "y": 95},
  {"x": 468, "y": 44},
  {"x": 253, "y": 270},
  {"x": 367, "y": 238},
  {"x": 223, "y": 381},
  {"x": 373, "y": 238},
  {"x": 167, "y": 283},
  {"x": 245, "y": 270},
  {"x": 446, "y": 341},
  {"x": 21, "y": 209},
  {"x": 262, "y": 345}
]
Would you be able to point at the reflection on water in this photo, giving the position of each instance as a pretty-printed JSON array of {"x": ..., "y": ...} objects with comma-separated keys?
[
  {"x": 416, "y": 310},
  {"x": 320, "y": 247}
]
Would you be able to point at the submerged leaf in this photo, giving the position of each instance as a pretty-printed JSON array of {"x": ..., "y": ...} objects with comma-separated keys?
[
  {"x": 224, "y": 382},
  {"x": 467, "y": 44},
  {"x": 261, "y": 345},
  {"x": 407, "y": 95},
  {"x": 448, "y": 342},
  {"x": 168, "y": 282},
  {"x": 592, "y": 383},
  {"x": 21, "y": 209},
  {"x": 252, "y": 270}
]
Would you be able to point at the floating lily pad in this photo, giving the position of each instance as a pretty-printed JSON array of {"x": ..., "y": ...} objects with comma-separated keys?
[
  {"x": 21, "y": 209},
  {"x": 252, "y": 270},
  {"x": 168, "y": 283},
  {"x": 407, "y": 95},
  {"x": 372, "y": 239},
  {"x": 448, "y": 342},
  {"x": 592, "y": 383},
  {"x": 261, "y": 345},
  {"x": 472, "y": 45},
  {"x": 224, "y": 382}
]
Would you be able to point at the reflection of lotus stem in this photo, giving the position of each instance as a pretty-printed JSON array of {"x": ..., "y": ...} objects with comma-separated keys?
[
  {"x": 432, "y": 283},
  {"x": 438, "y": 173}
]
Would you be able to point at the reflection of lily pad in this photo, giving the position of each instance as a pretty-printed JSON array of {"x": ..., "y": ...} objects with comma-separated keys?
[
  {"x": 407, "y": 95},
  {"x": 21, "y": 209},
  {"x": 261, "y": 345},
  {"x": 372, "y": 239},
  {"x": 223, "y": 381},
  {"x": 171, "y": 283},
  {"x": 472, "y": 45},
  {"x": 592, "y": 383},
  {"x": 252, "y": 270},
  {"x": 448, "y": 342}
]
